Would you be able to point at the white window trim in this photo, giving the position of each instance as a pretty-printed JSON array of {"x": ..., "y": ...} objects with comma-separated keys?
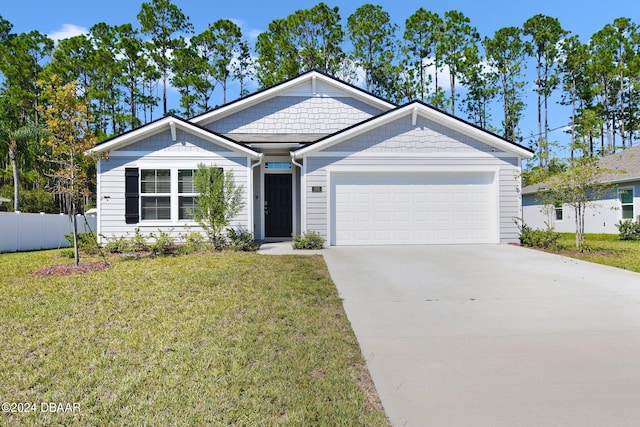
[
  {"x": 143, "y": 195},
  {"x": 555, "y": 214},
  {"x": 633, "y": 203},
  {"x": 174, "y": 196},
  {"x": 179, "y": 194}
]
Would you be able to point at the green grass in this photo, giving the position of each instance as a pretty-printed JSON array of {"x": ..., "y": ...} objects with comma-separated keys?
[
  {"x": 605, "y": 249},
  {"x": 214, "y": 339}
]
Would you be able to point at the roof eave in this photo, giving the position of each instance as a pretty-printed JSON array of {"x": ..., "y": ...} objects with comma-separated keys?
[
  {"x": 416, "y": 107},
  {"x": 273, "y": 91},
  {"x": 167, "y": 122}
]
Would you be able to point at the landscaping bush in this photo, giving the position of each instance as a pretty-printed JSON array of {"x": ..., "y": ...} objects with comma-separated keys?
[
  {"x": 545, "y": 239},
  {"x": 629, "y": 230},
  {"x": 163, "y": 243},
  {"x": 193, "y": 242},
  {"x": 67, "y": 253},
  {"x": 241, "y": 240},
  {"x": 86, "y": 242},
  {"x": 31, "y": 200},
  {"x": 117, "y": 245},
  {"x": 138, "y": 242},
  {"x": 308, "y": 240}
]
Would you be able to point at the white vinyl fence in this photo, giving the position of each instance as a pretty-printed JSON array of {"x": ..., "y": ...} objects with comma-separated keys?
[{"x": 32, "y": 231}]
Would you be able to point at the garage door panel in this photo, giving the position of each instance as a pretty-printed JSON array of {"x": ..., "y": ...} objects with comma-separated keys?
[{"x": 413, "y": 209}]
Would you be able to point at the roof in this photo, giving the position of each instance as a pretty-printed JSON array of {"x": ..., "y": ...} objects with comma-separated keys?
[
  {"x": 252, "y": 138},
  {"x": 311, "y": 142},
  {"x": 623, "y": 166},
  {"x": 625, "y": 163},
  {"x": 170, "y": 122},
  {"x": 311, "y": 77},
  {"x": 417, "y": 108}
]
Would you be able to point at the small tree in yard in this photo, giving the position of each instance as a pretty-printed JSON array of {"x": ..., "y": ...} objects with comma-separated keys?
[
  {"x": 69, "y": 136},
  {"x": 219, "y": 200},
  {"x": 577, "y": 186}
]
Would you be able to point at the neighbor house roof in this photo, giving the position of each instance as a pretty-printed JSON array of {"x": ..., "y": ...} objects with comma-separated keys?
[
  {"x": 417, "y": 108},
  {"x": 623, "y": 166}
]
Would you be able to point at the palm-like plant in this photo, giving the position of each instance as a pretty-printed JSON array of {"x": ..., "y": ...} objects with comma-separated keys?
[{"x": 14, "y": 138}]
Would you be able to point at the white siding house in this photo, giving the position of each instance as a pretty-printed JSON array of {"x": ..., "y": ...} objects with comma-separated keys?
[
  {"x": 317, "y": 154},
  {"x": 621, "y": 203}
]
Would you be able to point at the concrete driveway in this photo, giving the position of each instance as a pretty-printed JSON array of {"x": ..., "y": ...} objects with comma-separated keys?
[{"x": 494, "y": 335}]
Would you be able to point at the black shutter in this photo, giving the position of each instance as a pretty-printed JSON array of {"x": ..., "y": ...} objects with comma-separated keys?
[{"x": 131, "y": 195}]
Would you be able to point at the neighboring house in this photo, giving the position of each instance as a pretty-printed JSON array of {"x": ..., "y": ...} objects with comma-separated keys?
[
  {"x": 316, "y": 154},
  {"x": 602, "y": 215}
]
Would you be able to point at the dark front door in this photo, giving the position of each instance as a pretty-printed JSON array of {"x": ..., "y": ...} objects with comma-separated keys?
[{"x": 277, "y": 205}]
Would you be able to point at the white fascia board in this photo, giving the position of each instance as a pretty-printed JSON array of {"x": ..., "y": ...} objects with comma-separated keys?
[
  {"x": 272, "y": 92},
  {"x": 130, "y": 137},
  {"x": 169, "y": 123},
  {"x": 274, "y": 145},
  {"x": 426, "y": 112},
  {"x": 218, "y": 140}
]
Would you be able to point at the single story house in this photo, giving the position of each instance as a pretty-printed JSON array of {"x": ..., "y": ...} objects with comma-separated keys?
[
  {"x": 602, "y": 215},
  {"x": 316, "y": 154}
]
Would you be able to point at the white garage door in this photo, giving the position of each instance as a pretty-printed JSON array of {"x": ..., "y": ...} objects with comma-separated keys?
[{"x": 382, "y": 209}]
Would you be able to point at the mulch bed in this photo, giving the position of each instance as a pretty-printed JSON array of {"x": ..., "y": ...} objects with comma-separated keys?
[{"x": 67, "y": 269}]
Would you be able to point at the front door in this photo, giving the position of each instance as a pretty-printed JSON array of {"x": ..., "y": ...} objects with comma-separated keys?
[{"x": 277, "y": 205}]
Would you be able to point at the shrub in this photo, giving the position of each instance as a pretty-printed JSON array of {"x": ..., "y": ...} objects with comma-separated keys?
[
  {"x": 138, "y": 242},
  {"x": 546, "y": 239},
  {"x": 37, "y": 200},
  {"x": 308, "y": 240},
  {"x": 117, "y": 245},
  {"x": 86, "y": 242},
  {"x": 629, "y": 230},
  {"x": 241, "y": 240},
  {"x": 193, "y": 242},
  {"x": 67, "y": 253},
  {"x": 163, "y": 243}
]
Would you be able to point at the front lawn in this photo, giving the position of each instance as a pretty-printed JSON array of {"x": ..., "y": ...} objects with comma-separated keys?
[
  {"x": 213, "y": 339},
  {"x": 605, "y": 249}
]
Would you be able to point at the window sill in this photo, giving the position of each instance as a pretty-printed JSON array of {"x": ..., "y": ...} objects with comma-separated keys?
[{"x": 168, "y": 222}]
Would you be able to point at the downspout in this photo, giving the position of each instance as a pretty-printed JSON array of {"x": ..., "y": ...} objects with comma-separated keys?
[
  {"x": 303, "y": 196},
  {"x": 293, "y": 160},
  {"x": 251, "y": 211}
]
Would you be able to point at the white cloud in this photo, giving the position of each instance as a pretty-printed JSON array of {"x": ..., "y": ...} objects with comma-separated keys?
[
  {"x": 67, "y": 31},
  {"x": 444, "y": 81},
  {"x": 253, "y": 34},
  {"x": 250, "y": 33}
]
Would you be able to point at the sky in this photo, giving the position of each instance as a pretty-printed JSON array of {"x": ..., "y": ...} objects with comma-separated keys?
[{"x": 64, "y": 18}]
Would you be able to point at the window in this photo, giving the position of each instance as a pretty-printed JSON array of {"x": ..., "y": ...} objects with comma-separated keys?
[
  {"x": 278, "y": 165},
  {"x": 186, "y": 193},
  {"x": 626, "y": 200},
  {"x": 155, "y": 200},
  {"x": 558, "y": 209},
  {"x": 160, "y": 194}
]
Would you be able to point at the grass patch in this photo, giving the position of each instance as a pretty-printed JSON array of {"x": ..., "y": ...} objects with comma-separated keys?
[
  {"x": 605, "y": 249},
  {"x": 209, "y": 339}
]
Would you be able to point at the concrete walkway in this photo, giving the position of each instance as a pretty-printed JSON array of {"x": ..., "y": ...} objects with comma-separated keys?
[
  {"x": 494, "y": 335},
  {"x": 285, "y": 248}
]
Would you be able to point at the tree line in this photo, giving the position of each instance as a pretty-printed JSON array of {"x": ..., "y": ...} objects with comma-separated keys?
[{"x": 123, "y": 72}]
